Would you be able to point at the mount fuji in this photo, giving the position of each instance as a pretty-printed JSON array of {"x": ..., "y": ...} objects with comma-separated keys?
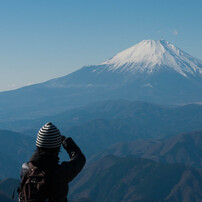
[
  {"x": 153, "y": 71},
  {"x": 150, "y": 56}
]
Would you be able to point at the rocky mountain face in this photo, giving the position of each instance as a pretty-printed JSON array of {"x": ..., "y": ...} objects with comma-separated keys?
[
  {"x": 154, "y": 71},
  {"x": 145, "y": 170},
  {"x": 135, "y": 179}
]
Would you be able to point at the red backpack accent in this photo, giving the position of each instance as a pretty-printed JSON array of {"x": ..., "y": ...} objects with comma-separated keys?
[{"x": 34, "y": 185}]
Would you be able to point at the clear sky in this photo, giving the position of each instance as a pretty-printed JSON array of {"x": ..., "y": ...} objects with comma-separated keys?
[{"x": 45, "y": 39}]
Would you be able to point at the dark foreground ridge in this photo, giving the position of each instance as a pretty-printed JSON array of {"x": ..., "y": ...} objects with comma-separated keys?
[
  {"x": 7, "y": 187},
  {"x": 135, "y": 179}
]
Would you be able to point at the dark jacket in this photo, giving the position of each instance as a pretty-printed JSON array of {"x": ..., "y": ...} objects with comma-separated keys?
[{"x": 61, "y": 174}]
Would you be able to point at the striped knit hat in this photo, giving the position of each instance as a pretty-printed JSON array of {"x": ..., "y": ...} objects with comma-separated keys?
[{"x": 49, "y": 137}]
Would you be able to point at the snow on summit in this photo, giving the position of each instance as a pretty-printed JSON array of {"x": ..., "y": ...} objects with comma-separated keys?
[{"x": 152, "y": 55}]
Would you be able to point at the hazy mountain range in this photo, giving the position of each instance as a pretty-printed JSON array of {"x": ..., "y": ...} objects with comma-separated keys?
[
  {"x": 14, "y": 150},
  {"x": 183, "y": 148},
  {"x": 137, "y": 118},
  {"x": 144, "y": 115},
  {"x": 99, "y": 126}
]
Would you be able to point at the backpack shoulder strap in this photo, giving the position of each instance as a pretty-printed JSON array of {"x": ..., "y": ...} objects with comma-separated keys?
[
  {"x": 31, "y": 166},
  {"x": 25, "y": 170}
]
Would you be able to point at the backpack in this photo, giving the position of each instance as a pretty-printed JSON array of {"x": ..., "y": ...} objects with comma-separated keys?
[{"x": 34, "y": 185}]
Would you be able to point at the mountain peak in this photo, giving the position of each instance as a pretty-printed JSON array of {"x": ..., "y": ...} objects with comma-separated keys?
[{"x": 149, "y": 55}]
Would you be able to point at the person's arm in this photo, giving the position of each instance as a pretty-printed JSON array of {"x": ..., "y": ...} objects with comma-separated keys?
[{"x": 77, "y": 159}]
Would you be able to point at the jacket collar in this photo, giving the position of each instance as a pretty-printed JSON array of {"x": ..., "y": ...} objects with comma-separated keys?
[{"x": 44, "y": 160}]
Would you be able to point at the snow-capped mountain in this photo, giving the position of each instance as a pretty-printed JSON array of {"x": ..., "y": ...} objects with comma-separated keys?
[
  {"x": 143, "y": 59},
  {"x": 153, "y": 71},
  {"x": 150, "y": 55}
]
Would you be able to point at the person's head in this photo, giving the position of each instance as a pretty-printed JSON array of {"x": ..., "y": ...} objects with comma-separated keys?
[{"x": 49, "y": 139}]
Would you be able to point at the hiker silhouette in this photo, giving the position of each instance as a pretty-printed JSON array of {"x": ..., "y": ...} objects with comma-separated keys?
[{"x": 43, "y": 178}]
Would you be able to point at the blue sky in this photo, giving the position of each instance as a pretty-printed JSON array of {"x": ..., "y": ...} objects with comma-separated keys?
[{"x": 44, "y": 39}]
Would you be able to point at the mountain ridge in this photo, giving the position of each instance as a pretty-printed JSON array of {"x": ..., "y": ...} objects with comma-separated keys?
[
  {"x": 128, "y": 178},
  {"x": 183, "y": 148}
]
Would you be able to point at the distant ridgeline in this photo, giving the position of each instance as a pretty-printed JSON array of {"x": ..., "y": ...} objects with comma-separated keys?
[{"x": 97, "y": 127}]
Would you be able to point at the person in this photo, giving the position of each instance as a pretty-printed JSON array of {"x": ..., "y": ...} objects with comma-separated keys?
[{"x": 46, "y": 158}]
